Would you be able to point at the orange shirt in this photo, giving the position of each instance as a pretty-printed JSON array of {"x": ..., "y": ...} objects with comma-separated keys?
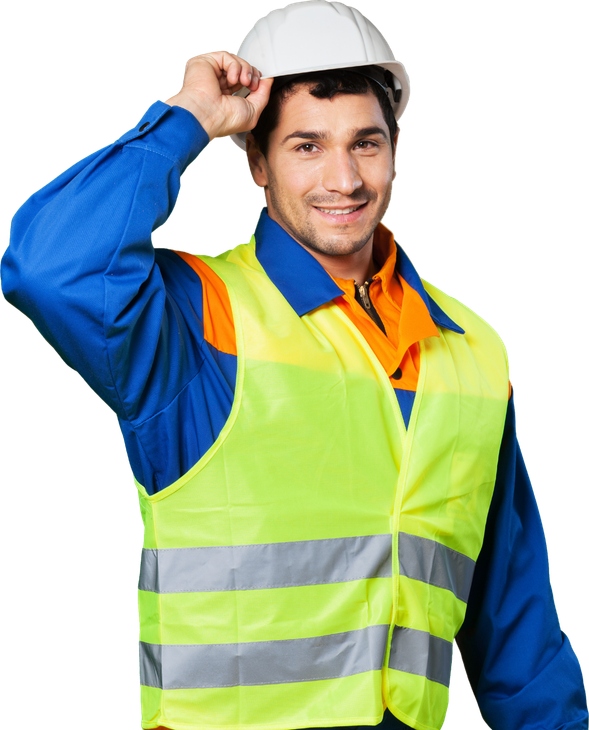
[{"x": 402, "y": 310}]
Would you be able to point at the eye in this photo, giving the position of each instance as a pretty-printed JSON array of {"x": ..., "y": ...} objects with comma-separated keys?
[
  {"x": 367, "y": 144},
  {"x": 307, "y": 147},
  {"x": 364, "y": 144}
]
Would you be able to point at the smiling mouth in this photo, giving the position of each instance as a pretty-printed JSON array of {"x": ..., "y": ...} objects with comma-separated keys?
[{"x": 340, "y": 211}]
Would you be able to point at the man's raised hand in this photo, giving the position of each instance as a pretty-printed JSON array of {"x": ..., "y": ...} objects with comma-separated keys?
[{"x": 209, "y": 82}]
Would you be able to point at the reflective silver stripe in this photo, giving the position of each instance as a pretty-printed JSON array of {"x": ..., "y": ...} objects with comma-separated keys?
[
  {"x": 436, "y": 564},
  {"x": 150, "y": 664},
  {"x": 263, "y": 662},
  {"x": 418, "y": 652},
  {"x": 270, "y": 565}
]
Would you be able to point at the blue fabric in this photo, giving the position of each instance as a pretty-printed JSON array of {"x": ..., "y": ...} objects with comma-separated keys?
[
  {"x": 405, "y": 398},
  {"x": 521, "y": 667},
  {"x": 128, "y": 318},
  {"x": 301, "y": 279}
]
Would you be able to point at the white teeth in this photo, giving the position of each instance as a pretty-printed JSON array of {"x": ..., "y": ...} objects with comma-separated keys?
[{"x": 341, "y": 211}]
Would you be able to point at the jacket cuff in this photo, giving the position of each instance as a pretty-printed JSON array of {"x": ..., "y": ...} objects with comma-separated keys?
[{"x": 170, "y": 130}]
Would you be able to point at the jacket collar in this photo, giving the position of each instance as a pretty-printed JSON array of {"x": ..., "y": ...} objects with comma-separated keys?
[{"x": 306, "y": 285}]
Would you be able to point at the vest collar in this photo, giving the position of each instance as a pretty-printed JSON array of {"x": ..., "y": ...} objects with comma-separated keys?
[{"x": 305, "y": 284}]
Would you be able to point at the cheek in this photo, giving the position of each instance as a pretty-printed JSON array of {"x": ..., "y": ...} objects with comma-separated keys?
[
  {"x": 379, "y": 176},
  {"x": 385, "y": 173},
  {"x": 298, "y": 174},
  {"x": 299, "y": 181},
  {"x": 387, "y": 182},
  {"x": 291, "y": 180}
]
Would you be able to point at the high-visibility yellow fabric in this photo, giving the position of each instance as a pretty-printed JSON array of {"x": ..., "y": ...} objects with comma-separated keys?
[{"x": 315, "y": 448}]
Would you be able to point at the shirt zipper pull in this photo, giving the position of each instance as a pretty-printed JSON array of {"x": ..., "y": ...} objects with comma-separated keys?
[{"x": 364, "y": 296}]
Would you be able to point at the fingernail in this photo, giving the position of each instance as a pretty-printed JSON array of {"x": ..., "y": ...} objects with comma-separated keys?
[{"x": 249, "y": 77}]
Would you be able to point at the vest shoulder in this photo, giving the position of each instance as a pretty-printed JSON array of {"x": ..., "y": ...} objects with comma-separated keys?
[
  {"x": 219, "y": 271},
  {"x": 243, "y": 255},
  {"x": 471, "y": 322}
]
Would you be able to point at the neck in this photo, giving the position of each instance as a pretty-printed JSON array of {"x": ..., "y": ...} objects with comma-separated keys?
[{"x": 359, "y": 266}]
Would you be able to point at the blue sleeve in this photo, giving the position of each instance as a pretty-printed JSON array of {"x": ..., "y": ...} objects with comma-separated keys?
[
  {"x": 81, "y": 264},
  {"x": 82, "y": 267},
  {"x": 521, "y": 667}
]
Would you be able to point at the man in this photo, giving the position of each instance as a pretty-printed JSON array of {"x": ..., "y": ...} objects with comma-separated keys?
[{"x": 290, "y": 407}]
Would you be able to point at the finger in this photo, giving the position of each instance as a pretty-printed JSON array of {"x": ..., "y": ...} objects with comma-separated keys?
[
  {"x": 247, "y": 74},
  {"x": 259, "y": 98},
  {"x": 233, "y": 72},
  {"x": 255, "y": 81},
  {"x": 242, "y": 72},
  {"x": 256, "y": 76}
]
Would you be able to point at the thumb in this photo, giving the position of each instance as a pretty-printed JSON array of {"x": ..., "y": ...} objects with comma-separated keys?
[{"x": 259, "y": 98}]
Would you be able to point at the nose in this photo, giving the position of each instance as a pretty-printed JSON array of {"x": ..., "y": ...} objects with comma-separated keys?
[{"x": 340, "y": 172}]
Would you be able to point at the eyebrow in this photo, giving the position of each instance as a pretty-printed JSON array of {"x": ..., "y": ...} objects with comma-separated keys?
[{"x": 323, "y": 135}]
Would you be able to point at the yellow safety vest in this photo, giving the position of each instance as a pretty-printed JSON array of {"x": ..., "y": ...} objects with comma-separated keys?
[{"x": 313, "y": 567}]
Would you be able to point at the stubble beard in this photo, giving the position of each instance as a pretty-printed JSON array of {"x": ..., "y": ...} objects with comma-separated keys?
[{"x": 302, "y": 230}]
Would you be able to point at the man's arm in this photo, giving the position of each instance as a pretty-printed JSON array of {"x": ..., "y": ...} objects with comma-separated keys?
[
  {"x": 81, "y": 263},
  {"x": 522, "y": 668}
]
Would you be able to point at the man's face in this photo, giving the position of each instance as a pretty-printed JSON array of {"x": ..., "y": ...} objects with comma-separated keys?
[{"x": 327, "y": 155}]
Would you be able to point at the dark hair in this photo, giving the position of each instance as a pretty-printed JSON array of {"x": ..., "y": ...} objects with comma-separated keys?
[{"x": 326, "y": 85}]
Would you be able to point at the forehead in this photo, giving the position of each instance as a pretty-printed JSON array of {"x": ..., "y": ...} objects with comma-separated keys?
[{"x": 339, "y": 115}]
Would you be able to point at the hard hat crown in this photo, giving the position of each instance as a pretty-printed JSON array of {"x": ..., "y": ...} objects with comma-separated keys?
[{"x": 319, "y": 35}]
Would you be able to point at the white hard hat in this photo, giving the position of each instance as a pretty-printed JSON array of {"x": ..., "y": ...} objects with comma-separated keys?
[{"x": 317, "y": 35}]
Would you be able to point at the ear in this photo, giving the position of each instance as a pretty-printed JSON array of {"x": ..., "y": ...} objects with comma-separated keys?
[
  {"x": 395, "y": 147},
  {"x": 256, "y": 161}
]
